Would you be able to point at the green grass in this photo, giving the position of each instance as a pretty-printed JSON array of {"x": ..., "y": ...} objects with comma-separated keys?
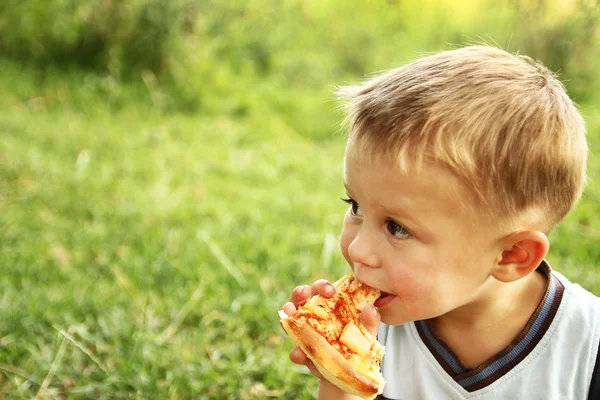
[{"x": 144, "y": 253}]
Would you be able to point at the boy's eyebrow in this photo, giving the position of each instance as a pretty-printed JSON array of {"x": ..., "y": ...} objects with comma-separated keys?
[
  {"x": 348, "y": 190},
  {"x": 401, "y": 214},
  {"x": 390, "y": 212}
]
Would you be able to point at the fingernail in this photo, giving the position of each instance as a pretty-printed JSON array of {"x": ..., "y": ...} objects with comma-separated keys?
[{"x": 328, "y": 289}]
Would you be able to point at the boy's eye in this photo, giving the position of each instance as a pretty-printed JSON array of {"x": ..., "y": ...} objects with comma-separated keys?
[
  {"x": 397, "y": 230},
  {"x": 354, "y": 207}
]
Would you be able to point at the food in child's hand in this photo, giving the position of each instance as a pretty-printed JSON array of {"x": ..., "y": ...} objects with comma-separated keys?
[{"x": 330, "y": 332}]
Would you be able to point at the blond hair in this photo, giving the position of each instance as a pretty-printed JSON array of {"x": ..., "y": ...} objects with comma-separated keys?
[{"x": 501, "y": 123}]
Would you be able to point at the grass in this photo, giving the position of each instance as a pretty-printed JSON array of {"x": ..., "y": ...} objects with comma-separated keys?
[{"x": 145, "y": 254}]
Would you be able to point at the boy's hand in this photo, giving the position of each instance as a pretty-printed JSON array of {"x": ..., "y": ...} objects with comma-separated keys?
[{"x": 370, "y": 317}]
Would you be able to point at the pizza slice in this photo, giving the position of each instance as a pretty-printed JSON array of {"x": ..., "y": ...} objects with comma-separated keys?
[{"x": 330, "y": 332}]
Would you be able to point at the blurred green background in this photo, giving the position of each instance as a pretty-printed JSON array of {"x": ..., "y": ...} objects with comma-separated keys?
[{"x": 170, "y": 171}]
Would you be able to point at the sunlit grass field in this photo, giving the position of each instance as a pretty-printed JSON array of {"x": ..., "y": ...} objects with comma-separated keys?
[
  {"x": 145, "y": 249},
  {"x": 145, "y": 255}
]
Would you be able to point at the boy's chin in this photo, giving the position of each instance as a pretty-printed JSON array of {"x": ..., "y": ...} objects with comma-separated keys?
[
  {"x": 392, "y": 320},
  {"x": 390, "y": 316}
]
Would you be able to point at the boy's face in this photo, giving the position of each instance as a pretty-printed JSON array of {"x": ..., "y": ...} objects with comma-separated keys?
[{"x": 418, "y": 237}]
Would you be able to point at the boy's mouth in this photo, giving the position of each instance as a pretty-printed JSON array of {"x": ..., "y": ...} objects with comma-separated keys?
[{"x": 384, "y": 299}]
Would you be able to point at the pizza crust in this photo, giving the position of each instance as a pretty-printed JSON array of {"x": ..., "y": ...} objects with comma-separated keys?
[{"x": 330, "y": 363}]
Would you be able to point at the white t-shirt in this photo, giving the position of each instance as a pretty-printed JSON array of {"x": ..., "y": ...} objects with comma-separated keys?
[{"x": 552, "y": 358}]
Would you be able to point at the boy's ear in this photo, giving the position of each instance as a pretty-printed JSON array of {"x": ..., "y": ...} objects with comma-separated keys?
[{"x": 523, "y": 252}]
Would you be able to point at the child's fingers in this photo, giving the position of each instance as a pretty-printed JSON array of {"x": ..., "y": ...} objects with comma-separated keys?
[
  {"x": 289, "y": 308},
  {"x": 370, "y": 318},
  {"x": 322, "y": 287},
  {"x": 299, "y": 357},
  {"x": 300, "y": 295}
]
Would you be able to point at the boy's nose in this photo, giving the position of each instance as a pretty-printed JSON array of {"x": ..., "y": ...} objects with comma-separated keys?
[{"x": 362, "y": 251}]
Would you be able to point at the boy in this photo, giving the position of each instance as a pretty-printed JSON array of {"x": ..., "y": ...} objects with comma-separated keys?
[{"x": 457, "y": 167}]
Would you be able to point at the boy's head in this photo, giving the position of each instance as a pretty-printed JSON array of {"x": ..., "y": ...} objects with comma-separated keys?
[{"x": 502, "y": 124}]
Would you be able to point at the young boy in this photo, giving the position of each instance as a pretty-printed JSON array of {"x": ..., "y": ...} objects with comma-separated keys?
[{"x": 457, "y": 167}]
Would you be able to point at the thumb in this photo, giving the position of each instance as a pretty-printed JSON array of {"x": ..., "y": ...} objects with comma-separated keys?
[{"x": 370, "y": 317}]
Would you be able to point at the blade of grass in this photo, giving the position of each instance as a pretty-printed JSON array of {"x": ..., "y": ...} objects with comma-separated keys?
[
  {"x": 18, "y": 372},
  {"x": 223, "y": 259},
  {"x": 180, "y": 317},
  {"x": 57, "y": 359},
  {"x": 83, "y": 349}
]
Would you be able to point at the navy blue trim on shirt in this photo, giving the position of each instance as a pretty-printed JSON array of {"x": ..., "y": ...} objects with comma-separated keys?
[
  {"x": 497, "y": 366},
  {"x": 594, "y": 393}
]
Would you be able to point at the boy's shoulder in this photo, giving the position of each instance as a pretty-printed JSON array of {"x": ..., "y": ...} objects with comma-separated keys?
[
  {"x": 577, "y": 318},
  {"x": 584, "y": 301},
  {"x": 572, "y": 284}
]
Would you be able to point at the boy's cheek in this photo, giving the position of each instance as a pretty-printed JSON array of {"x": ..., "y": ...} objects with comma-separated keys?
[{"x": 345, "y": 240}]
